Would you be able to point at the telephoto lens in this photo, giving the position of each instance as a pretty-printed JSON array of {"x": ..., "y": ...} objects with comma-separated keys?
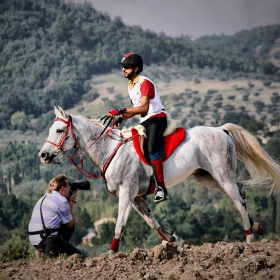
[{"x": 85, "y": 185}]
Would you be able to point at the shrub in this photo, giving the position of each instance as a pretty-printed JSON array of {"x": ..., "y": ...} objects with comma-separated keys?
[
  {"x": 245, "y": 97},
  {"x": 14, "y": 248},
  {"x": 218, "y": 97},
  {"x": 110, "y": 89},
  {"x": 259, "y": 105},
  {"x": 228, "y": 107},
  {"x": 211, "y": 91},
  {"x": 218, "y": 104},
  {"x": 236, "y": 118},
  {"x": 267, "y": 83},
  {"x": 223, "y": 78},
  {"x": 90, "y": 96},
  {"x": 19, "y": 121},
  {"x": 80, "y": 109}
]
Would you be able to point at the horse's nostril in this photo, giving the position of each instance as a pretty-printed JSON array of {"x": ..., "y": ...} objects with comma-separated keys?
[{"x": 44, "y": 155}]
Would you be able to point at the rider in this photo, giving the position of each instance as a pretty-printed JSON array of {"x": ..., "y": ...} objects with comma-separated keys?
[{"x": 146, "y": 103}]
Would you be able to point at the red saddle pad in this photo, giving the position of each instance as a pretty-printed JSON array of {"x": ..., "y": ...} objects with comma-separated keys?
[{"x": 171, "y": 142}]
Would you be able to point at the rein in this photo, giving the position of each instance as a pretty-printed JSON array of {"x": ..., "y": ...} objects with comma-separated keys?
[{"x": 65, "y": 137}]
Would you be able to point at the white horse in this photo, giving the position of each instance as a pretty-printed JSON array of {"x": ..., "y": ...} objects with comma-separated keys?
[{"x": 209, "y": 154}]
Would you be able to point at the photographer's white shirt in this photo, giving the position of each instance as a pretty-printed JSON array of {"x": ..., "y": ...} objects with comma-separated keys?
[{"x": 55, "y": 210}]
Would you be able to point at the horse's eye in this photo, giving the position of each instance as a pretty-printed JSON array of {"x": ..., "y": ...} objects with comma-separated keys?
[{"x": 59, "y": 131}]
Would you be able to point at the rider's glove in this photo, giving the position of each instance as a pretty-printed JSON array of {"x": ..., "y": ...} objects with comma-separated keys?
[{"x": 116, "y": 112}]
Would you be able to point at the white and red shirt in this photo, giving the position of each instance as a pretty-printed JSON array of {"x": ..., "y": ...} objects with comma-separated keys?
[{"x": 143, "y": 86}]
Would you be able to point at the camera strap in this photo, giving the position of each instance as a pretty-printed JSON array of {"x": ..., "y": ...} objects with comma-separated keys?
[
  {"x": 42, "y": 219},
  {"x": 46, "y": 231}
]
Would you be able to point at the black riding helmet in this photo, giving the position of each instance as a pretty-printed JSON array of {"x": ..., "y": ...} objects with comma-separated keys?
[{"x": 133, "y": 59}]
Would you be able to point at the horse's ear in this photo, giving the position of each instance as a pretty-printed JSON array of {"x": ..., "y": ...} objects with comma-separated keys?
[
  {"x": 56, "y": 112},
  {"x": 60, "y": 113},
  {"x": 64, "y": 115}
]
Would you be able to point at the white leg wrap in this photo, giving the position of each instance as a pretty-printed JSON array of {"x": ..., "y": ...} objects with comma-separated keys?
[{"x": 250, "y": 238}]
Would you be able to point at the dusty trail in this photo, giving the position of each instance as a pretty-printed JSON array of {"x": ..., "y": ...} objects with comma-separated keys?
[{"x": 259, "y": 261}]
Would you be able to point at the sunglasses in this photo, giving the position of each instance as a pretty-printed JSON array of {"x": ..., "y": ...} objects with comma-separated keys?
[{"x": 127, "y": 66}]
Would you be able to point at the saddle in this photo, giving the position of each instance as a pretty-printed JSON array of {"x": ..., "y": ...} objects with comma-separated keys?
[{"x": 172, "y": 138}]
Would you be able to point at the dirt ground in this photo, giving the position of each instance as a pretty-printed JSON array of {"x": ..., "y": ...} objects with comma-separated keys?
[{"x": 257, "y": 261}]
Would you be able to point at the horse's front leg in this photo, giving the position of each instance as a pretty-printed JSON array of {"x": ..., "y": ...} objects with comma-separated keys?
[
  {"x": 142, "y": 207},
  {"x": 125, "y": 205}
]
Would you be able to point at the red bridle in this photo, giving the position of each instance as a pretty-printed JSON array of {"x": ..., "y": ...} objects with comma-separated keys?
[
  {"x": 65, "y": 137},
  {"x": 65, "y": 134}
]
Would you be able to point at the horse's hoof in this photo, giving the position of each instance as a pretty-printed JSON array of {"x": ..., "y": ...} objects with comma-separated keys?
[
  {"x": 250, "y": 238},
  {"x": 109, "y": 253},
  {"x": 258, "y": 228}
]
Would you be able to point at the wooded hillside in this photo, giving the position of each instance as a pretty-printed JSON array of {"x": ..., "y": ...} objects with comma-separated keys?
[
  {"x": 256, "y": 42},
  {"x": 49, "y": 50},
  {"x": 52, "y": 53}
]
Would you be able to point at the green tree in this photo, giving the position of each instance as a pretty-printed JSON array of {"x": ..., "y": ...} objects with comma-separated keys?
[
  {"x": 19, "y": 121},
  {"x": 82, "y": 223},
  {"x": 273, "y": 145},
  {"x": 277, "y": 218},
  {"x": 271, "y": 217},
  {"x": 105, "y": 234},
  {"x": 11, "y": 210}
]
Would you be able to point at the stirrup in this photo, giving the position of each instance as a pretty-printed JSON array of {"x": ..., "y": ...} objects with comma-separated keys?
[{"x": 160, "y": 195}]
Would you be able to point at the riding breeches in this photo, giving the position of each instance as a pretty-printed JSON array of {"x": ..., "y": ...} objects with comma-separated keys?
[{"x": 155, "y": 128}]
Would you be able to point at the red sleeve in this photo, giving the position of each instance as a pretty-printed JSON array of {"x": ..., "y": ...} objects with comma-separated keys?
[{"x": 147, "y": 89}]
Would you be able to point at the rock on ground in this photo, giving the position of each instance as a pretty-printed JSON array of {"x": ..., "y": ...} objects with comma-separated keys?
[{"x": 258, "y": 261}]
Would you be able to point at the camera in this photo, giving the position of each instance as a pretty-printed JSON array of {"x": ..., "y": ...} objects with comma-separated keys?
[{"x": 85, "y": 185}]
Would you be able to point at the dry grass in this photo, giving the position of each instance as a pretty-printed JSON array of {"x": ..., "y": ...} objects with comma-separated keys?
[{"x": 180, "y": 86}]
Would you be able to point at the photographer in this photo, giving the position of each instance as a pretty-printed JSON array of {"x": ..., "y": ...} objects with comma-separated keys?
[{"x": 52, "y": 223}]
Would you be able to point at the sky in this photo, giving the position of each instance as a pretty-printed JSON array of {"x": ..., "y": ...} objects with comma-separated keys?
[{"x": 194, "y": 18}]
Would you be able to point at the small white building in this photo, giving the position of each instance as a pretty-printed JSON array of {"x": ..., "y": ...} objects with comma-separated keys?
[
  {"x": 98, "y": 223},
  {"x": 86, "y": 240}
]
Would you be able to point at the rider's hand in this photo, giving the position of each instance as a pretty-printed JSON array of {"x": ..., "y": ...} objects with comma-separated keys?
[{"x": 116, "y": 112}]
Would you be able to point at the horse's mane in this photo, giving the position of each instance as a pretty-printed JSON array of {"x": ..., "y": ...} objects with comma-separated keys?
[
  {"x": 94, "y": 121},
  {"x": 99, "y": 122}
]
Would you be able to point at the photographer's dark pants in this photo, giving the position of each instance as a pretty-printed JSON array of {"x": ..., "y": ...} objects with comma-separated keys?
[{"x": 56, "y": 245}]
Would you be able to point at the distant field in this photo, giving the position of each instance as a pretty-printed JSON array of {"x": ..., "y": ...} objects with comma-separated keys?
[
  {"x": 187, "y": 102},
  {"x": 205, "y": 102}
]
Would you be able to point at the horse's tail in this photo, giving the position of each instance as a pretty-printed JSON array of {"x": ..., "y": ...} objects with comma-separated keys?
[{"x": 262, "y": 168}]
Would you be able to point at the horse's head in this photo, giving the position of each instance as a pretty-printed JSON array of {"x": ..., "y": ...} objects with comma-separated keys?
[{"x": 60, "y": 138}]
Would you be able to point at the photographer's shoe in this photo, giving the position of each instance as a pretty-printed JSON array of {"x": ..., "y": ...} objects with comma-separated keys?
[{"x": 160, "y": 195}]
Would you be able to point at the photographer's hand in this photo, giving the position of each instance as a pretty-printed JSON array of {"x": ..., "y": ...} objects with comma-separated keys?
[{"x": 73, "y": 201}]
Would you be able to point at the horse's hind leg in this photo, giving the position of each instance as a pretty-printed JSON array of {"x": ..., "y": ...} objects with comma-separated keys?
[
  {"x": 141, "y": 206},
  {"x": 256, "y": 226},
  {"x": 205, "y": 178},
  {"x": 235, "y": 193}
]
